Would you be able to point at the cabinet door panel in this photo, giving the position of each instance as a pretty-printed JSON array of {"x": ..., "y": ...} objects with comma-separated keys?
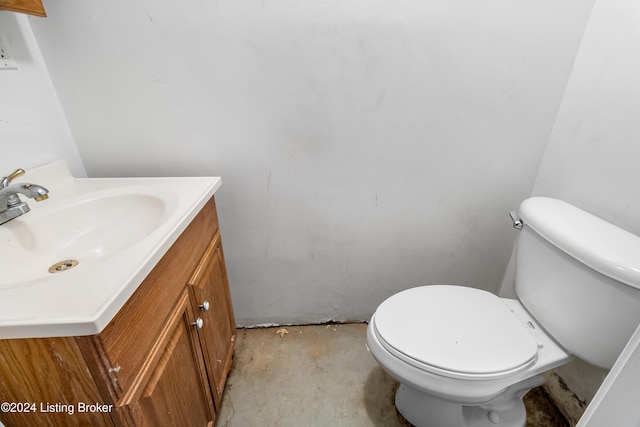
[
  {"x": 210, "y": 284},
  {"x": 176, "y": 392}
]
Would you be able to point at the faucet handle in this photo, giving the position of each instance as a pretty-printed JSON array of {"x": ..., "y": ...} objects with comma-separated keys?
[
  {"x": 5, "y": 181},
  {"x": 14, "y": 175}
]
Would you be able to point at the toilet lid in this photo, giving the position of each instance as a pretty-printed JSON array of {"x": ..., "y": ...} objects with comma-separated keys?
[{"x": 455, "y": 331}]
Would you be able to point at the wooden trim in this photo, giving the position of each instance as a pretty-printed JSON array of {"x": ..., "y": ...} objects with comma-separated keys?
[
  {"x": 95, "y": 356},
  {"x": 31, "y": 7}
]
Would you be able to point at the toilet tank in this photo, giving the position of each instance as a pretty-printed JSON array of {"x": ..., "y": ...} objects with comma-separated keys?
[{"x": 579, "y": 276}]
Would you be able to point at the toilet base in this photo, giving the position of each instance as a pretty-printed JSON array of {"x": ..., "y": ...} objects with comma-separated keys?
[{"x": 505, "y": 410}]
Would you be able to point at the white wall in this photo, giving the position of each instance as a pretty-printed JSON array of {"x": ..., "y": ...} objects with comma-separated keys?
[
  {"x": 616, "y": 401},
  {"x": 365, "y": 146},
  {"x": 33, "y": 129},
  {"x": 592, "y": 156}
]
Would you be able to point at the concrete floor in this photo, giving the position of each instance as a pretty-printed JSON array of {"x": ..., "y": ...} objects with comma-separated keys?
[{"x": 322, "y": 375}]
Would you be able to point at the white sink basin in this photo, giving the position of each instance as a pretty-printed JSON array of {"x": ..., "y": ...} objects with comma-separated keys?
[
  {"x": 99, "y": 237},
  {"x": 85, "y": 230}
]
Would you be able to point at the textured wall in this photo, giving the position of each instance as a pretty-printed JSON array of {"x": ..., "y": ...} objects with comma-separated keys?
[{"x": 365, "y": 146}]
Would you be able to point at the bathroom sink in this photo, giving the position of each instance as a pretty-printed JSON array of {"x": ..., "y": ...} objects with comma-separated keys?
[
  {"x": 80, "y": 232},
  {"x": 71, "y": 262}
]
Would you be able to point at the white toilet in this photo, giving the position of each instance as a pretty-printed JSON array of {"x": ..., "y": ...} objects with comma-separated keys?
[{"x": 465, "y": 357}]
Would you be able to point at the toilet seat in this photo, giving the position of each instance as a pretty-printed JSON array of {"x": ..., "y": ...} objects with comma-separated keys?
[{"x": 455, "y": 331}]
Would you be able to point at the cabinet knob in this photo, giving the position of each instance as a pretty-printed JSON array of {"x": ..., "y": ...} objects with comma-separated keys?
[
  {"x": 204, "y": 306},
  {"x": 198, "y": 323}
]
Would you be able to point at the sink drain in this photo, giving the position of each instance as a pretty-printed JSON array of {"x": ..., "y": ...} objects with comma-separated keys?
[{"x": 61, "y": 266}]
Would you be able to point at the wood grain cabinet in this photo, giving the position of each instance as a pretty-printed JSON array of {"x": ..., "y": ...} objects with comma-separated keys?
[{"x": 162, "y": 361}]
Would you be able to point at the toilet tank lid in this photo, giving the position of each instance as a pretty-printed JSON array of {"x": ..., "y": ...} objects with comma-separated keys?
[{"x": 602, "y": 246}]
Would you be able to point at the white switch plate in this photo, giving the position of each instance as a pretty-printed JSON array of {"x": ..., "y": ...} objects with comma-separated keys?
[{"x": 6, "y": 61}]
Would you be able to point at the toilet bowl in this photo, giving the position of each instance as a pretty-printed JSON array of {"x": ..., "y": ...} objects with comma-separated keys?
[
  {"x": 461, "y": 354},
  {"x": 467, "y": 343},
  {"x": 465, "y": 357}
]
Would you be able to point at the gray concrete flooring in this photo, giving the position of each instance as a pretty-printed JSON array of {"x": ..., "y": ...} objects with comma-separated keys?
[{"x": 322, "y": 375}]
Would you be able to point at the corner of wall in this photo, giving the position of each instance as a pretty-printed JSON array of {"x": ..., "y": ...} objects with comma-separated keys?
[{"x": 33, "y": 126}]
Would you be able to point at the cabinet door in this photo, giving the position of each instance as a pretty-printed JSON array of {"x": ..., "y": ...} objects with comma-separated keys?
[
  {"x": 175, "y": 391},
  {"x": 210, "y": 289}
]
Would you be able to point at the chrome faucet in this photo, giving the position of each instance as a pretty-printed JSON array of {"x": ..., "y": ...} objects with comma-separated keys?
[{"x": 10, "y": 204}]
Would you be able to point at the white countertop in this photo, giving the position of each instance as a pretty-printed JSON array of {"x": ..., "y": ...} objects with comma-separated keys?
[{"x": 82, "y": 301}]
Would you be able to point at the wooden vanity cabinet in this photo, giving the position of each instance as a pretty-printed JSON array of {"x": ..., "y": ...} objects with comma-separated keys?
[{"x": 162, "y": 360}]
